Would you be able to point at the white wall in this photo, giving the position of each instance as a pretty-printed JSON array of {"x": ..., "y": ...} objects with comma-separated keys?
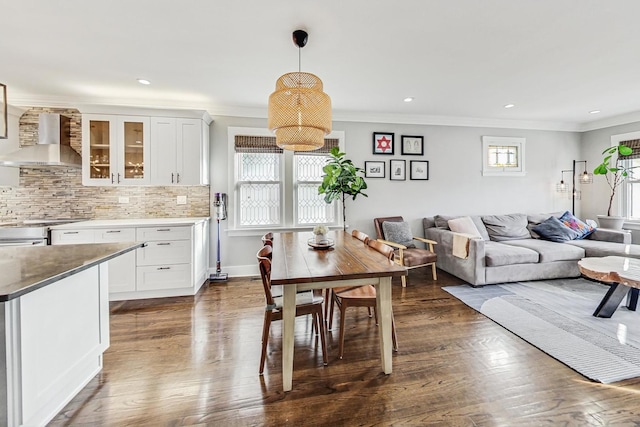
[{"x": 455, "y": 185}]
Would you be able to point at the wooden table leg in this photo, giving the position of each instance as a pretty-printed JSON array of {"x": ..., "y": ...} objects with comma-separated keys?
[
  {"x": 611, "y": 300},
  {"x": 288, "y": 325},
  {"x": 383, "y": 306}
]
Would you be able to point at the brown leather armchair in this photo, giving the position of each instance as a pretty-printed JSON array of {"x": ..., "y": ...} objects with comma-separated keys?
[{"x": 405, "y": 256}]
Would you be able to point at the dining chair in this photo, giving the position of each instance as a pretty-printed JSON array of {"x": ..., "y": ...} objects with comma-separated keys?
[
  {"x": 306, "y": 303},
  {"x": 395, "y": 232},
  {"x": 267, "y": 239},
  {"x": 360, "y": 236},
  {"x": 360, "y": 296},
  {"x": 328, "y": 292}
]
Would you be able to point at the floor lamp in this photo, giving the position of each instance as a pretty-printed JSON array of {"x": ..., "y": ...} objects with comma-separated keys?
[
  {"x": 220, "y": 204},
  {"x": 585, "y": 178}
]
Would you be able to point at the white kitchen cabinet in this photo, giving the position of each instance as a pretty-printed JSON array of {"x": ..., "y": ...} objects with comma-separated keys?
[
  {"x": 174, "y": 261},
  {"x": 165, "y": 261},
  {"x": 122, "y": 269},
  {"x": 115, "y": 150},
  {"x": 179, "y": 151},
  {"x": 145, "y": 147}
]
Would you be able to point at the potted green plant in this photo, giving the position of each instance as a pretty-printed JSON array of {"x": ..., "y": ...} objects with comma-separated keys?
[
  {"x": 341, "y": 179},
  {"x": 615, "y": 172}
]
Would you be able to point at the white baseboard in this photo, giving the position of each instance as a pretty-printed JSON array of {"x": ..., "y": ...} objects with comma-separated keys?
[{"x": 239, "y": 270}]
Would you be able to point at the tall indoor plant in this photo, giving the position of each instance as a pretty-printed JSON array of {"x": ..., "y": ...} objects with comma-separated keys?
[
  {"x": 615, "y": 172},
  {"x": 341, "y": 179}
]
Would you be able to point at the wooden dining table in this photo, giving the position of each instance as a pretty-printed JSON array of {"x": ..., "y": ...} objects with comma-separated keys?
[{"x": 348, "y": 262}]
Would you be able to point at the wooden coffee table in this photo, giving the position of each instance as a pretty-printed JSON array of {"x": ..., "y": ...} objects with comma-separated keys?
[{"x": 623, "y": 276}]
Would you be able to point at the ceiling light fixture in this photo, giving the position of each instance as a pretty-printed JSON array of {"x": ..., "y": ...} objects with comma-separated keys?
[
  {"x": 594, "y": 111},
  {"x": 299, "y": 111},
  {"x": 144, "y": 82},
  {"x": 509, "y": 105},
  {"x": 408, "y": 99}
]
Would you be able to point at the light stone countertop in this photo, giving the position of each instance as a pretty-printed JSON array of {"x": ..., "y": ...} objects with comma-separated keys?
[
  {"x": 133, "y": 222},
  {"x": 26, "y": 269}
]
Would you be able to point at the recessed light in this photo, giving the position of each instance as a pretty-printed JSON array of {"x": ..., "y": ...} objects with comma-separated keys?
[
  {"x": 509, "y": 105},
  {"x": 594, "y": 112},
  {"x": 144, "y": 82},
  {"x": 408, "y": 99}
]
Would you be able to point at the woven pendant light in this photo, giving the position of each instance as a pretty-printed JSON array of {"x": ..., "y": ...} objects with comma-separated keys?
[{"x": 299, "y": 110}]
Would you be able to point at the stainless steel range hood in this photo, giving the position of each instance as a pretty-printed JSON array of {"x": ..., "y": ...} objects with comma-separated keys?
[{"x": 53, "y": 147}]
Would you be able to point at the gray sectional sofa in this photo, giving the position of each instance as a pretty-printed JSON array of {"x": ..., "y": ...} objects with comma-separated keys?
[{"x": 509, "y": 253}]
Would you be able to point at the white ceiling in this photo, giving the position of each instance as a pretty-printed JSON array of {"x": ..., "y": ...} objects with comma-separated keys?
[{"x": 462, "y": 60}]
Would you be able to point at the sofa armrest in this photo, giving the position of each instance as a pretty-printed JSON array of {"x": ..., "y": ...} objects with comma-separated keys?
[
  {"x": 471, "y": 269},
  {"x": 608, "y": 235}
]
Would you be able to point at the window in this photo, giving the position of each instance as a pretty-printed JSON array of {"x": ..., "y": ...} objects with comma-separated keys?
[
  {"x": 276, "y": 188},
  {"x": 502, "y": 156},
  {"x": 630, "y": 190},
  {"x": 310, "y": 206}
]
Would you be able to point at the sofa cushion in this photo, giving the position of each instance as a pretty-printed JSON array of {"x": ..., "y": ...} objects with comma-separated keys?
[
  {"x": 497, "y": 254},
  {"x": 506, "y": 227},
  {"x": 442, "y": 221},
  {"x": 536, "y": 219},
  {"x": 553, "y": 229},
  {"x": 550, "y": 251},
  {"x": 595, "y": 248},
  {"x": 465, "y": 225},
  {"x": 398, "y": 232},
  {"x": 574, "y": 223}
]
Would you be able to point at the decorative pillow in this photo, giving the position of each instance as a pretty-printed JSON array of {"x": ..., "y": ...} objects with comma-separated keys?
[
  {"x": 398, "y": 232},
  {"x": 537, "y": 219},
  {"x": 443, "y": 220},
  {"x": 553, "y": 229},
  {"x": 506, "y": 227},
  {"x": 574, "y": 223},
  {"x": 464, "y": 225}
]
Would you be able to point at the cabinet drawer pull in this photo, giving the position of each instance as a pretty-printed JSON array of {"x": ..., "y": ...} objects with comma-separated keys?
[
  {"x": 163, "y": 229},
  {"x": 164, "y": 268},
  {"x": 114, "y": 231},
  {"x": 172, "y": 178},
  {"x": 71, "y": 232},
  {"x": 164, "y": 244},
  {"x": 177, "y": 178}
]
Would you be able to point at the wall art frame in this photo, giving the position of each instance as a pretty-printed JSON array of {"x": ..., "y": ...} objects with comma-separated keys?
[
  {"x": 419, "y": 170},
  {"x": 383, "y": 143},
  {"x": 412, "y": 145},
  {"x": 397, "y": 170},
  {"x": 374, "y": 169}
]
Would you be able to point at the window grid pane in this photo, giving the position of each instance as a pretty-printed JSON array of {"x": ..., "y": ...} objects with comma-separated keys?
[
  {"x": 259, "y": 204},
  {"x": 259, "y": 167},
  {"x": 309, "y": 168},
  {"x": 312, "y": 209},
  {"x": 506, "y": 156}
]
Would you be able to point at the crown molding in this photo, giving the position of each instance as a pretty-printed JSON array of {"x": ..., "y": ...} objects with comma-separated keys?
[
  {"x": 338, "y": 115},
  {"x": 611, "y": 121}
]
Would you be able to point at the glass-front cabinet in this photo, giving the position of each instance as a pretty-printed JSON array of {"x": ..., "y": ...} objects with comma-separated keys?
[{"x": 118, "y": 150}]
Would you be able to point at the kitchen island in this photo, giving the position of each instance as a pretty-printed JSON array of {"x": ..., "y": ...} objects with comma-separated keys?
[{"x": 54, "y": 326}]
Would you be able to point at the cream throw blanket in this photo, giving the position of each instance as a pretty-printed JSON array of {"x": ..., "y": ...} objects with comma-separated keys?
[{"x": 461, "y": 244}]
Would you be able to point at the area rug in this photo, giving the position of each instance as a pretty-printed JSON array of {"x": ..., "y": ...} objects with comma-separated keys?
[{"x": 556, "y": 316}]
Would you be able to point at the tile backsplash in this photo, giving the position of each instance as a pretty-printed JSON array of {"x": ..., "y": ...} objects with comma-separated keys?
[{"x": 58, "y": 192}]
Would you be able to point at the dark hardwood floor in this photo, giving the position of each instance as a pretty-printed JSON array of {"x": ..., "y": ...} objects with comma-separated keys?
[{"x": 194, "y": 361}]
